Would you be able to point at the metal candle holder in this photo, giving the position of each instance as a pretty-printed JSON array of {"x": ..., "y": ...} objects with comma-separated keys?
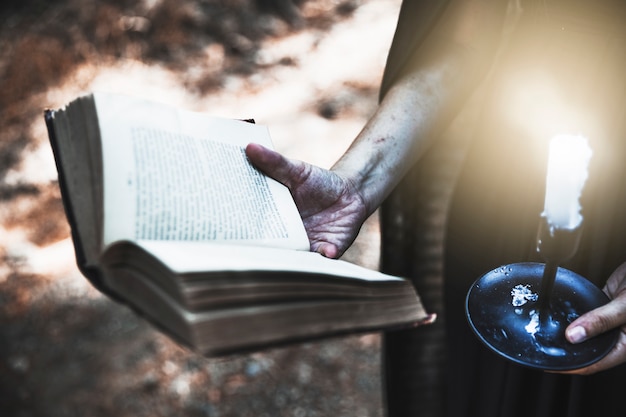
[
  {"x": 521, "y": 310},
  {"x": 555, "y": 246}
]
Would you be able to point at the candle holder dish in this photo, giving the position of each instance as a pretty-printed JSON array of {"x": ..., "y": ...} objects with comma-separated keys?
[
  {"x": 503, "y": 309},
  {"x": 521, "y": 310}
]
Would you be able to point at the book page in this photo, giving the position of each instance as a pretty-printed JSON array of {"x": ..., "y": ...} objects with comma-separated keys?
[
  {"x": 188, "y": 257},
  {"x": 180, "y": 176}
]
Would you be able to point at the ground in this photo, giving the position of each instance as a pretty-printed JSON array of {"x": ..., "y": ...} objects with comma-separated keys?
[{"x": 309, "y": 69}]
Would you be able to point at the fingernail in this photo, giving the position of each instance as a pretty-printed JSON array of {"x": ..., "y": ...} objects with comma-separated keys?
[{"x": 577, "y": 334}]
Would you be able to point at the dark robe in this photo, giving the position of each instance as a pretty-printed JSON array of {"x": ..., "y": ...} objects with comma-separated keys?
[{"x": 563, "y": 71}]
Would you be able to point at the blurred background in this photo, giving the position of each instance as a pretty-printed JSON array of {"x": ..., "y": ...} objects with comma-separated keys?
[{"x": 309, "y": 69}]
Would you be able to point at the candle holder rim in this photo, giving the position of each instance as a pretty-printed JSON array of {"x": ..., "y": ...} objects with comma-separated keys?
[{"x": 605, "y": 341}]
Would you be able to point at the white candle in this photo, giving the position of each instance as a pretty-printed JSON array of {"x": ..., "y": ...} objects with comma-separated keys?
[{"x": 567, "y": 172}]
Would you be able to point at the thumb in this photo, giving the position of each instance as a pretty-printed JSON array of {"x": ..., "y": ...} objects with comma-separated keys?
[
  {"x": 598, "y": 321},
  {"x": 606, "y": 317},
  {"x": 272, "y": 163}
]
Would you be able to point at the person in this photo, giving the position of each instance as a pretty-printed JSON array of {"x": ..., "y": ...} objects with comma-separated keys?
[{"x": 545, "y": 67}]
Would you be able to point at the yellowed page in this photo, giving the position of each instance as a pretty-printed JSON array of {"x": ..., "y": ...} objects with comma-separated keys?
[{"x": 175, "y": 175}]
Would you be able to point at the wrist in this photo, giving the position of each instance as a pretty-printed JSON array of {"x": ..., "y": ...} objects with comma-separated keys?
[{"x": 364, "y": 180}]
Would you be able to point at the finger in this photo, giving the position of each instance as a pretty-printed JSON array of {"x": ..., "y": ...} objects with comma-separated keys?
[
  {"x": 326, "y": 249},
  {"x": 598, "y": 321},
  {"x": 614, "y": 358},
  {"x": 616, "y": 282},
  {"x": 271, "y": 163}
]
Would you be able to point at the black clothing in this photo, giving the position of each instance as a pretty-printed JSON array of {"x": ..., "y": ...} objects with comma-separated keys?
[{"x": 562, "y": 72}]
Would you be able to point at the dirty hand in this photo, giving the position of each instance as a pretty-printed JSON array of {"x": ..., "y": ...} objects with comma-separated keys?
[{"x": 332, "y": 210}]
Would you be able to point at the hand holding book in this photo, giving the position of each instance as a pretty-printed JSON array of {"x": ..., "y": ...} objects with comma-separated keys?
[
  {"x": 169, "y": 216},
  {"x": 331, "y": 209}
]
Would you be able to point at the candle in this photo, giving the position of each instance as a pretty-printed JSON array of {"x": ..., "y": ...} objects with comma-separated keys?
[{"x": 567, "y": 172}]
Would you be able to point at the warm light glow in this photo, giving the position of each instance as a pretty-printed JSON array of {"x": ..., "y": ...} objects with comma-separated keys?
[
  {"x": 567, "y": 172},
  {"x": 532, "y": 102}
]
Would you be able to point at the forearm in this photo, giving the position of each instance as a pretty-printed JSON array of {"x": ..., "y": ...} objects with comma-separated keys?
[
  {"x": 408, "y": 119},
  {"x": 422, "y": 101}
]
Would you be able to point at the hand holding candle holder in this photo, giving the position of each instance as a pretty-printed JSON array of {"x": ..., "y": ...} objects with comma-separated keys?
[{"x": 521, "y": 310}]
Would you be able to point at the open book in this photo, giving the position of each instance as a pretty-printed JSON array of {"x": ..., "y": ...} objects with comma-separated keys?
[{"x": 168, "y": 216}]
